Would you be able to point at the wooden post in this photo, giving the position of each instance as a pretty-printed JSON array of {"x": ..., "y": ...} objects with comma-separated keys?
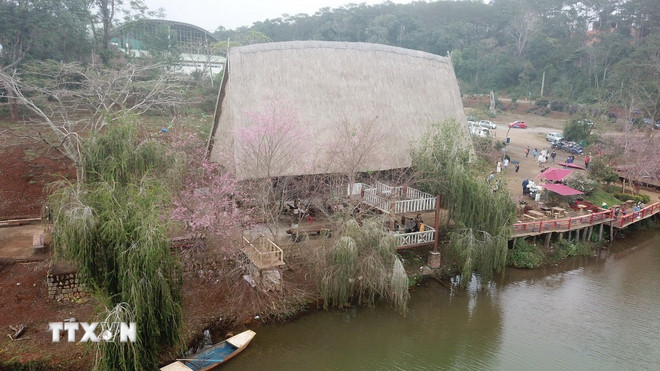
[
  {"x": 437, "y": 216},
  {"x": 547, "y": 240},
  {"x": 611, "y": 231},
  {"x": 514, "y": 242},
  {"x": 600, "y": 233},
  {"x": 561, "y": 236},
  {"x": 577, "y": 235}
]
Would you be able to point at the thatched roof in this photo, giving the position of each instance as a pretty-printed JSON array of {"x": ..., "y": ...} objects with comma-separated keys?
[{"x": 335, "y": 87}]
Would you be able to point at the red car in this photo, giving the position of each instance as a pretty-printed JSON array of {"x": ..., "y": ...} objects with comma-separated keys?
[{"x": 518, "y": 124}]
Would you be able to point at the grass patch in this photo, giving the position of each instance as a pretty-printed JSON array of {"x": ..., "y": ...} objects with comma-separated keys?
[
  {"x": 599, "y": 196},
  {"x": 524, "y": 255}
]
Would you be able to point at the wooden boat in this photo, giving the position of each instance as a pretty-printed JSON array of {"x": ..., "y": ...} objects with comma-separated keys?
[{"x": 214, "y": 356}]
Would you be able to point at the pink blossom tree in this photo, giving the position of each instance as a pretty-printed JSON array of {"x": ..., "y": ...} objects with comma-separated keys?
[{"x": 206, "y": 201}]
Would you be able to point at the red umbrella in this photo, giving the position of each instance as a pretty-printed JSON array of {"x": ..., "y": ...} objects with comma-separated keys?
[{"x": 570, "y": 164}]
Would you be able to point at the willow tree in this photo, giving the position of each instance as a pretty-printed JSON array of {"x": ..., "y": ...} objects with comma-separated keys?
[
  {"x": 112, "y": 226},
  {"x": 363, "y": 266},
  {"x": 482, "y": 218}
]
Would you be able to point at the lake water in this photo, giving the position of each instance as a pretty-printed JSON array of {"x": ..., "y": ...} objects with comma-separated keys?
[{"x": 589, "y": 314}]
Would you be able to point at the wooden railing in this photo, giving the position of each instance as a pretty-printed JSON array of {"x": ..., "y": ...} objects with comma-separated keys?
[
  {"x": 563, "y": 224},
  {"x": 388, "y": 191},
  {"x": 263, "y": 252},
  {"x": 622, "y": 221},
  {"x": 373, "y": 199},
  {"x": 415, "y": 238},
  {"x": 381, "y": 197},
  {"x": 412, "y": 193},
  {"x": 411, "y": 206}
]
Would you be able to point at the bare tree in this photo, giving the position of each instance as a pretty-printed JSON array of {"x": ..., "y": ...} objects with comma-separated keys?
[
  {"x": 266, "y": 150},
  {"x": 522, "y": 29},
  {"x": 71, "y": 99}
]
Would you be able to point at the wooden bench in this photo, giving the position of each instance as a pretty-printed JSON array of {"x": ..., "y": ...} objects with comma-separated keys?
[
  {"x": 320, "y": 229},
  {"x": 527, "y": 216},
  {"x": 38, "y": 242}
]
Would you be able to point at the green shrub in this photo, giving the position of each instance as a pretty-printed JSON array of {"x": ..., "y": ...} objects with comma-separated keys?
[
  {"x": 524, "y": 255},
  {"x": 579, "y": 129},
  {"x": 629, "y": 196},
  {"x": 611, "y": 188},
  {"x": 542, "y": 102},
  {"x": 601, "y": 170},
  {"x": 567, "y": 249},
  {"x": 584, "y": 184}
]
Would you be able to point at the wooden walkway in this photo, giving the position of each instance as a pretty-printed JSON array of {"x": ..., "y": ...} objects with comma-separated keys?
[
  {"x": 647, "y": 212},
  {"x": 582, "y": 221},
  {"x": 561, "y": 225}
]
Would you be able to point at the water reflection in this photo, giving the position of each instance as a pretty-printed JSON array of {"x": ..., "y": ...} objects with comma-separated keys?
[{"x": 597, "y": 313}]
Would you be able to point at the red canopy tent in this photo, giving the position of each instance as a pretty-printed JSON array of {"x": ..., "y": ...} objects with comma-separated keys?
[
  {"x": 570, "y": 164},
  {"x": 562, "y": 189},
  {"x": 555, "y": 175}
]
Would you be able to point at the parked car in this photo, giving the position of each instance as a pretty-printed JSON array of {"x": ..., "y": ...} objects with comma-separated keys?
[
  {"x": 552, "y": 137},
  {"x": 518, "y": 124},
  {"x": 568, "y": 146},
  {"x": 487, "y": 124},
  {"x": 479, "y": 131}
]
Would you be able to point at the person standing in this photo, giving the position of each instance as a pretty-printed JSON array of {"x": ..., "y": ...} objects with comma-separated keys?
[
  {"x": 499, "y": 167},
  {"x": 527, "y": 152},
  {"x": 586, "y": 162},
  {"x": 517, "y": 167},
  {"x": 553, "y": 155},
  {"x": 506, "y": 164},
  {"x": 540, "y": 160},
  {"x": 535, "y": 153}
]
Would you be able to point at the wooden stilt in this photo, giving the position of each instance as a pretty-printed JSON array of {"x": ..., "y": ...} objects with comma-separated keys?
[
  {"x": 435, "y": 223},
  {"x": 600, "y": 233},
  {"x": 514, "y": 242},
  {"x": 577, "y": 235},
  {"x": 611, "y": 232},
  {"x": 547, "y": 239},
  {"x": 561, "y": 236}
]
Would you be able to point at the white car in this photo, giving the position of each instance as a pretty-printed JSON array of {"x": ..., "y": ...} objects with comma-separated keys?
[
  {"x": 487, "y": 124},
  {"x": 553, "y": 137},
  {"x": 479, "y": 131}
]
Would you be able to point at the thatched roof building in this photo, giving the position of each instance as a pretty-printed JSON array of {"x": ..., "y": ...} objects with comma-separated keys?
[{"x": 346, "y": 97}]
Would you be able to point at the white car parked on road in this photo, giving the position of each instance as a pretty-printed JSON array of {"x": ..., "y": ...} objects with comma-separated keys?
[
  {"x": 487, "y": 124},
  {"x": 552, "y": 137}
]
